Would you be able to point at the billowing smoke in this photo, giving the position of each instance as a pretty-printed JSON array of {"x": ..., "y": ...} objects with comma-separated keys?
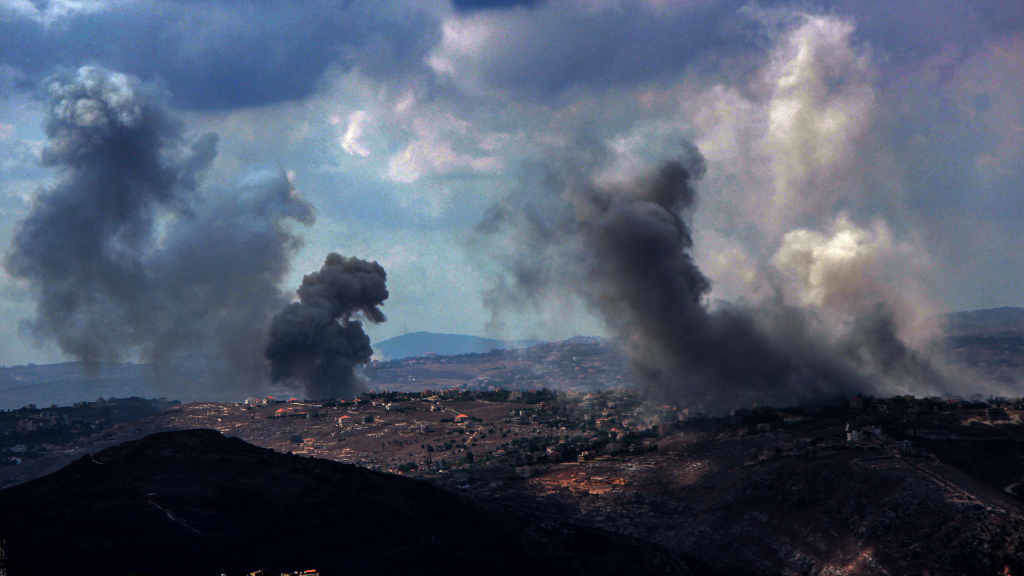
[
  {"x": 625, "y": 249},
  {"x": 129, "y": 258},
  {"x": 820, "y": 304},
  {"x": 317, "y": 341}
]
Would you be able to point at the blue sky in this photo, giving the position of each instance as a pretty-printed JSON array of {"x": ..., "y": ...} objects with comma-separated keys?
[{"x": 854, "y": 150}]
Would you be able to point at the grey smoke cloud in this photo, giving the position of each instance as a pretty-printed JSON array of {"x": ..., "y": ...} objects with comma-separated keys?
[
  {"x": 127, "y": 255},
  {"x": 625, "y": 248},
  {"x": 318, "y": 341}
]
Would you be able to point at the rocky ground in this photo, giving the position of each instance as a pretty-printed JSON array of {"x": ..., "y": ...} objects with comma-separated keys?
[{"x": 896, "y": 486}]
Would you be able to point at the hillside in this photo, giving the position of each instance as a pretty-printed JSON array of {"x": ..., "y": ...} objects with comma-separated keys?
[
  {"x": 990, "y": 342},
  {"x": 987, "y": 321},
  {"x": 427, "y": 343},
  {"x": 871, "y": 487},
  {"x": 196, "y": 501},
  {"x": 580, "y": 364}
]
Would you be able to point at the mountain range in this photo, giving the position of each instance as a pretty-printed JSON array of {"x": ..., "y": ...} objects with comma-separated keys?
[
  {"x": 433, "y": 343},
  {"x": 989, "y": 339}
]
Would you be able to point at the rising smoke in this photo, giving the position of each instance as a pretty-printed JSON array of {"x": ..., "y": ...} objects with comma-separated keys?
[
  {"x": 127, "y": 256},
  {"x": 625, "y": 250},
  {"x": 317, "y": 341}
]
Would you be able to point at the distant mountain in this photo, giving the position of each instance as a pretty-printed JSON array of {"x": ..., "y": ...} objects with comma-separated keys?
[
  {"x": 985, "y": 322},
  {"x": 197, "y": 502},
  {"x": 989, "y": 341},
  {"x": 427, "y": 343},
  {"x": 69, "y": 382}
]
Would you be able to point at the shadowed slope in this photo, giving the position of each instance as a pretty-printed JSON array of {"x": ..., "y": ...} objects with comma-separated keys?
[{"x": 196, "y": 501}]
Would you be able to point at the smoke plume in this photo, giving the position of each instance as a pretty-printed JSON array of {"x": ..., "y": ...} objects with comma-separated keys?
[
  {"x": 127, "y": 256},
  {"x": 625, "y": 249},
  {"x": 317, "y": 341}
]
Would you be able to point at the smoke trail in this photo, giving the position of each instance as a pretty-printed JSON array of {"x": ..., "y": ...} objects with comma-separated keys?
[
  {"x": 626, "y": 250},
  {"x": 316, "y": 341},
  {"x": 126, "y": 256}
]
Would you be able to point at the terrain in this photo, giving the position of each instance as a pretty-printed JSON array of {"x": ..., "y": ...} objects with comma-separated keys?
[
  {"x": 873, "y": 486},
  {"x": 554, "y": 436},
  {"x": 578, "y": 364},
  {"x": 196, "y": 502},
  {"x": 989, "y": 343}
]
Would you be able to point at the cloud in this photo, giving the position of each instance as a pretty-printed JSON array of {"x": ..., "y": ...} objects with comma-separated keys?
[
  {"x": 430, "y": 157},
  {"x": 214, "y": 55},
  {"x": 350, "y": 140},
  {"x": 19, "y": 156},
  {"x": 439, "y": 142},
  {"x": 473, "y": 5},
  {"x": 905, "y": 115},
  {"x": 53, "y": 11},
  {"x": 127, "y": 256},
  {"x": 988, "y": 91},
  {"x": 557, "y": 48}
]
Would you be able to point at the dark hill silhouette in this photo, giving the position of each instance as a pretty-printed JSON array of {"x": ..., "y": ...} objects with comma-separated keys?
[{"x": 196, "y": 502}]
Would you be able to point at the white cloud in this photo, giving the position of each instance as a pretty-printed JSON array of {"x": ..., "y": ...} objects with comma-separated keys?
[
  {"x": 351, "y": 139},
  {"x": 440, "y": 143},
  {"x": 432, "y": 157},
  {"x": 462, "y": 38}
]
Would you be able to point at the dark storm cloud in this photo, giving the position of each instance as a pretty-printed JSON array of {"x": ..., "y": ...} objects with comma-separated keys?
[
  {"x": 917, "y": 29},
  {"x": 125, "y": 255},
  {"x": 473, "y": 5},
  {"x": 224, "y": 55},
  {"x": 626, "y": 250},
  {"x": 560, "y": 49},
  {"x": 317, "y": 341},
  {"x": 229, "y": 55}
]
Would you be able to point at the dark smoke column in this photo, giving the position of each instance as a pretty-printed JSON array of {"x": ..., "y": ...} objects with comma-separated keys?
[
  {"x": 626, "y": 250},
  {"x": 317, "y": 341},
  {"x": 129, "y": 256}
]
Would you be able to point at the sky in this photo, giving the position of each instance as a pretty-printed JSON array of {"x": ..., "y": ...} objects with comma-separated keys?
[{"x": 851, "y": 148}]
